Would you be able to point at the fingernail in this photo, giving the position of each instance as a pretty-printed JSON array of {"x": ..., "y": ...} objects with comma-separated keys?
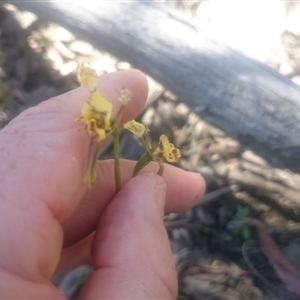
[{"x": 160, "y": 197}]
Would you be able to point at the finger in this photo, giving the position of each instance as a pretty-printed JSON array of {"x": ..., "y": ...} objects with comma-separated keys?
[
  {"x": 131, "y": 253},
  {"x": 42, "y": 154},
  {"x": 184, "y": 190},
  {"x": 75, "y": 255}
]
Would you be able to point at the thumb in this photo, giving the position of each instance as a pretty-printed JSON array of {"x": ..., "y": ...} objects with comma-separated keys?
[{"x": 131, "y": 253}]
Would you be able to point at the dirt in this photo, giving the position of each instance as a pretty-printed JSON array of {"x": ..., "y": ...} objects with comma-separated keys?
[{"x": 217, "y": 255}]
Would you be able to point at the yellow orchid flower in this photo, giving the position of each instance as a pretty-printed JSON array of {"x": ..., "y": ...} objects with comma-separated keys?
[
  {"x": 138, "y": 129},
  {"x": 166, "y": 150},
  {"x": 88, "y": 78},
  {"x": 96, "y": 115}
]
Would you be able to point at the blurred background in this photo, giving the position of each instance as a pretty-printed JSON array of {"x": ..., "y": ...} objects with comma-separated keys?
[{"x": 217, "y": 254}]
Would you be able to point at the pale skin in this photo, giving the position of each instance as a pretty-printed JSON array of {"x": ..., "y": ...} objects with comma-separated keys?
[{"x": 50, "y": 222}]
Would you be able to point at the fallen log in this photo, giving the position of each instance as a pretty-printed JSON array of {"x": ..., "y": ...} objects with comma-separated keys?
[{"x": 243, "y": 97}]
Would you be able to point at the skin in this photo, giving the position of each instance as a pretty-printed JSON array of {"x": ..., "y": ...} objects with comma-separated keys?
[{"x": 50, "y": 222}]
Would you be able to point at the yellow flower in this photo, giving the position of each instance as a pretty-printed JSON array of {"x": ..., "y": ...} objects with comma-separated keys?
[
  {"x": 163, "y": 150},
  {"x": 96, "y": 115},
  {"x": 88, "y": 78},
  {"x": 138, "y": 129},
  {"x": 166, "y": 150}
]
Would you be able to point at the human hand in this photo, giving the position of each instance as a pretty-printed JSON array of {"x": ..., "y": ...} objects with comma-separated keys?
[{"x": 47, "y": 218}]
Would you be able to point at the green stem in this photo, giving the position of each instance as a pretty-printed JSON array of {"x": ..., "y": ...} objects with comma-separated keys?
[
  {"x": 90, "y": 172},
  {"x": 115, "y": 120},
  {"x": 116, "y": 139}
]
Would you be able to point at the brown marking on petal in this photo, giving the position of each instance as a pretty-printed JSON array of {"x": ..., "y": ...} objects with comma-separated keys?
[
  {"x": 92, "y": 124},
  {"x": 160, "y": 155}
]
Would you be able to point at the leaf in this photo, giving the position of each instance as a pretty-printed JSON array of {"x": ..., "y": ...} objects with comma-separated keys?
[
  {"x": 242, "y": 213},
  {"x": 141, "y": 163},
  {"x": 245, "y": 233}
]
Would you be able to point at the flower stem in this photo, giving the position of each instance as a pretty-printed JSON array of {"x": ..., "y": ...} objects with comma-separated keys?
[
  {"x": 161, "y": 168},
  {"x": 115, "y": 120},
  {"x": 116, "y": 139},
  {"x": 90, "y": 168}
]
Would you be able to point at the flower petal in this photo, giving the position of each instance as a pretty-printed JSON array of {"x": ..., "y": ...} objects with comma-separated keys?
[
  {"x": 96, "y": 115},
  {"x": 99, "y": 104},
  {"x": 167, "y": 150},
  {"x": 138, "y": 129},
  {"x": 88, "y": 78}
]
